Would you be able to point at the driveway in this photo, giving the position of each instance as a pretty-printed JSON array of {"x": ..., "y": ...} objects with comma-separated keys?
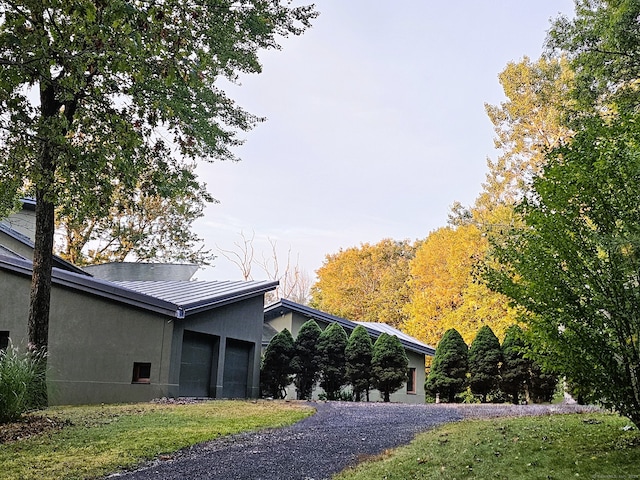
[{"x": 338, "y": 435}]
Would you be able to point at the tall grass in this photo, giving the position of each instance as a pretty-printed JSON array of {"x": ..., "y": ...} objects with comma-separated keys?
[{"x": 22, "y": 382}]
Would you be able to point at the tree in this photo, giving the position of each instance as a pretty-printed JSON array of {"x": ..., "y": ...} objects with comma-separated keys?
[
  {"x": 366, "y": 283},
  {"x": 358, "y": 354},
  {"x": 389, "y": 365},
  {"x": 601, "y": 42},
  {"x": 331, "y": 349},
  {"x": 145, "y": 227},
  {"x": 94, "y": 95},
  {"x": 275, "y": 372},
  {"x": 305, "y": 363},
  {"x": 485, "y": 357},
  {"x": 448, "y": 374},
  {"x": 541, "y": 385},
  {"x": 444, "y": 291},
  {"x": 514, "y": 372},
  {"x": 575, "y": 268}
]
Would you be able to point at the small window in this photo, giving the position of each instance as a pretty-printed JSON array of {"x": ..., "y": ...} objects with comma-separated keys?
[
  {"x": 4, "y": 339},
  {"x": 411, "y": 380},
  {"x": 141, "y": 373}
]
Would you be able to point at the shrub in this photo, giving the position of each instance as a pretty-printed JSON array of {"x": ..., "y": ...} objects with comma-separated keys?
[
  {"x": 358, "y": 356},
  {"x": 331, "y": 347},
  {"x": 276, "y": 370},
  {"x": 389, "y": 365},
  {"x": 448, "y": 375},
  {"x": 22, "y": 382},
  {"x": 306, "y": 359},
  {"x": 485, "y": 357}
]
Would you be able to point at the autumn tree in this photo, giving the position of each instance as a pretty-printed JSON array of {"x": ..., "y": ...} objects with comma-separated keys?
[
  {"x": 275, "y": 371},
  {"x": 366, "y": 283},
  {"x": 305, "y": 363},
  {"x": 358, "y": 355},
  {"x": 485, "y": 357},
  {"x": 448, "y": 374},
  {"x": 331, "y": 350},
  {"x": 444, "y": 292},
  {"x": 389, "y": 365},
  {"x": 96, "y": 94}
]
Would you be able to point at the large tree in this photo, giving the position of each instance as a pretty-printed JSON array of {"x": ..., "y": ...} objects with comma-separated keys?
[
  {"x": 389, "y": 365},
  {"x": 95, "y": 94},
  {"x": 358, "y": 355},
  {"x": 366, "y": 283},
  {"x": 575, "y": 267},
  {"x": 444, "y": 291}
]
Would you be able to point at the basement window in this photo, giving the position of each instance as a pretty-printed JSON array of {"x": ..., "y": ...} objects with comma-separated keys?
[
  {"x": 411, "y": 380},
  {"x": 141, "y": 372},
  {"x": 4, "y": 340}
]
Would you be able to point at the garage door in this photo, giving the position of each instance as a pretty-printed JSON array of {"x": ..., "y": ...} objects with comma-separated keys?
[
  {"x": 236, "y": 369},
  {"x": 196, "y": 364}
]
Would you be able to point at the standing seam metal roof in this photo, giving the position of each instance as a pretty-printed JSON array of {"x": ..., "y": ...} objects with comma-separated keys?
[{"x": 168, "y": 298}]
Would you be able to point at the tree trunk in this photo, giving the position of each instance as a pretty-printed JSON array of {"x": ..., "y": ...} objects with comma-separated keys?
[
  {"x": 41, "y": 278},
  {"x": 386, "y": 397}
]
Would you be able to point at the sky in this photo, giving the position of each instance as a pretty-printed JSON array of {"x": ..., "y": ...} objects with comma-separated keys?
[{"x": 375, "y": 127}]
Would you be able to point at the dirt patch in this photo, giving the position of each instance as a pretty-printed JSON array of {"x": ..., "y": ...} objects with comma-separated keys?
[{"x": 30, "y": 426}]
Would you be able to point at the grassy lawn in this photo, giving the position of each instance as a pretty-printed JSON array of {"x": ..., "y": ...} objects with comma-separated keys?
[
  {"x": 103, "y": 439},
  {"x": 549, "y": 447}
]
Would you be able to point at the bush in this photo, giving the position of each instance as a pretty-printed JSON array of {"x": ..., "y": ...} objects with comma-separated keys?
[
  {"x": 448, "y": 375},
  {"x": 22, "y": 383}
]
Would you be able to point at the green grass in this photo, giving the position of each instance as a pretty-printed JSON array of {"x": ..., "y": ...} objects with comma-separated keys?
[
  {"x": 104, "y": 439},
  {"x": 551, "y": 447}
]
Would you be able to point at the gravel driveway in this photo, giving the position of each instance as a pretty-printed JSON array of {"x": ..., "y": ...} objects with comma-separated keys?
[{"x": 338, "y": 435}]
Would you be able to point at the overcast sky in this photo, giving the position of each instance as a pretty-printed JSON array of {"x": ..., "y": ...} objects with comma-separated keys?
[{"x": 375, "y": 126}]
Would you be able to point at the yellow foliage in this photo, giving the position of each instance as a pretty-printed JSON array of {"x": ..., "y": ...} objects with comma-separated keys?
[{"x": 446, "y": 293}]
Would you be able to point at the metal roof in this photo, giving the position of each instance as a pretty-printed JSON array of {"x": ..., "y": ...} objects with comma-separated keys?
[
  {"x": 374, "y": 329},
  {"x": 153, "y": 298},
  {"x": 194, "y": 297}
]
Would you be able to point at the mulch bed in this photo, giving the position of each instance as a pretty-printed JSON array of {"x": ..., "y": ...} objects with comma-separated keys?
[{"x": 30, "y": 426}]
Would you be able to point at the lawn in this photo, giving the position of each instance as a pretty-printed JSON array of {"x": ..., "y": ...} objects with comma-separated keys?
[
  {"x": 549, "y": 447},
  {"x": 98, "y": 440}
]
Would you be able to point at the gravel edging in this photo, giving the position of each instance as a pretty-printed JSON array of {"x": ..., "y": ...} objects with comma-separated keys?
[{"x": 340, "y": 434}]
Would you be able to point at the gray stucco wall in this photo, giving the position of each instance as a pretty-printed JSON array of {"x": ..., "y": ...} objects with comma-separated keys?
[{"x": 94, "y": 342}]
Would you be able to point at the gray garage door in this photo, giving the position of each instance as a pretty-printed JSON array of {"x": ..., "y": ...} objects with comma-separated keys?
[
  {"x": 236, "y": 369},
  {"x": 197, "y": 364}
]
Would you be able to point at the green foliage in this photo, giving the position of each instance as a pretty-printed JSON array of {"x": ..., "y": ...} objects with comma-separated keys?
[
  {"x": 528, "y": 448},
  {"x": 542, "y": 385},
  {"x": 99, "y": 440},
  {"x": 275, "y": 372},
  {"x": 358, "y": 354},
  {"x": 575, "y": 267},
  {"x": 331, "y": 349},
  {"x": 448, "y": 373},
  {"x": 306, "y": 359},
  {"x": 514, "y": 372},
  {"x": 601, "y": 40},
  {"x": 389, "y": 365},
  {"x": 485, "y": 357},
  {"x": 102, "y": 98},
  {"x": 22, "y": 383}
]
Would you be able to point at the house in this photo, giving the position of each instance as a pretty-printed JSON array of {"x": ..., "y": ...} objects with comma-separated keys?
[
  {"x": 125, "y": 340},
  {"x": 287, "y": 314}
]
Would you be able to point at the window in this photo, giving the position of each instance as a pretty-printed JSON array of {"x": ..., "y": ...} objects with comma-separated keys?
[
  {"x": 4, "y": 339},
  {"x": 141, "y": 373},
  {"x": 411, "y": 380}
]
